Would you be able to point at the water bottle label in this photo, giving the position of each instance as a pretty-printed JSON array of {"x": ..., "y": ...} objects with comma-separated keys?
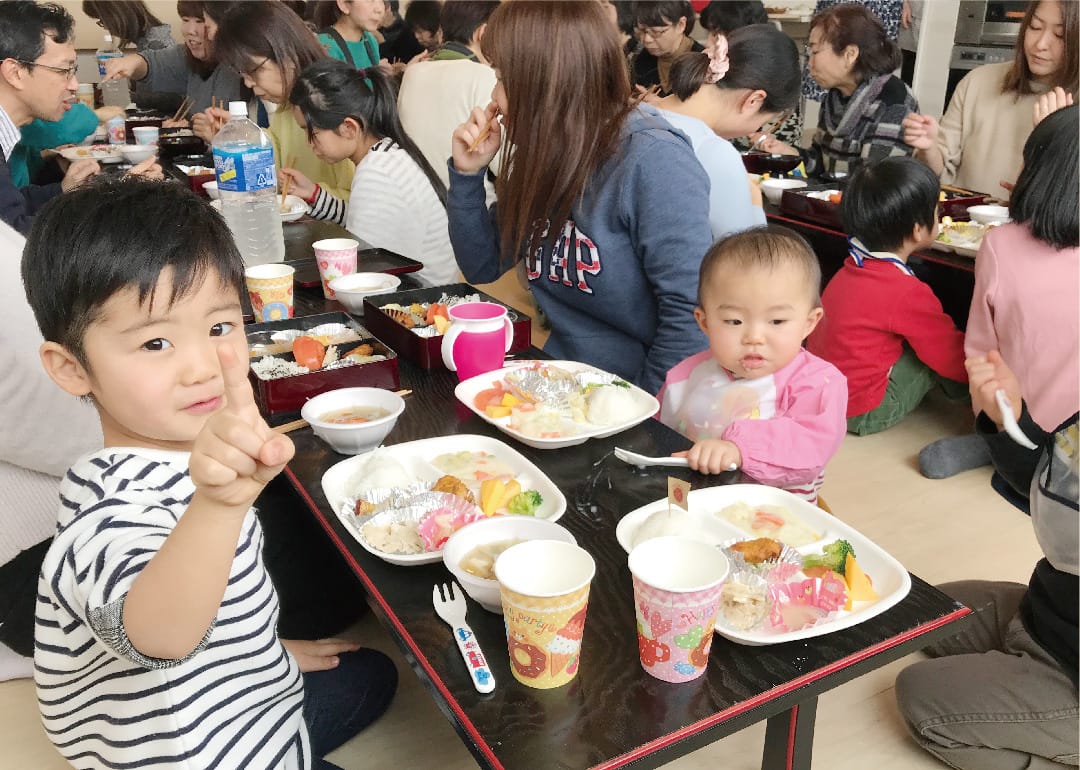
[
  {"x": 245, "y": 170},
  {"x": 102, "y": 58}
]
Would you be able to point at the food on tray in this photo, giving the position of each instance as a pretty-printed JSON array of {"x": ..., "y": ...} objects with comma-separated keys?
[
  {"x": 444, "y": 519},
  {"x": 473, "y": 467},
  {"x": 354, "y": 414},
  {"x": 832, "y": 557},
  {"x": 609, "y": 404},
  {"x": 744, "y": 605},
  {"x": 835, "y": 197},
  {"x": 454, "y": 486},
  {"x": 480, "y": 561},
  {"x": 308, "y": 352},
  {"x": 797, "y": 603},
  {"x": 770, "y": 521},
  {"x": 670, "y": 521},
  {"x": 324, "y": 347},
  {"x": 758, "y": 550},
  {"x": 960, "y": 232},
  {"x": 380, "y": 471},
  {"x": 860, "y": 588},
  {"x": 394, "y": 537},
  {"x": 428, "y": 319}
]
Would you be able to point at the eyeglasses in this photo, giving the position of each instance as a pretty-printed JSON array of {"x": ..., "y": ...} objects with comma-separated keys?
[
  {"x": 251, "y": 72},
  {"x": 67, "y": 72},
  {"x": 653, "y": 32}
]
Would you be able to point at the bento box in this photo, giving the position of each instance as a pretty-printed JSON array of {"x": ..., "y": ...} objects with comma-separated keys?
[
  {"x": 358, "y": 359},
  {"x": 423, "y": 345},
  {"x": 820, "y": 203}
]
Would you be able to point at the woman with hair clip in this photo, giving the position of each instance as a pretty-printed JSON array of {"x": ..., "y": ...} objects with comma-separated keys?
[
  {"x": 728, "y": 91},
  {"x": 979, "y": 142},
  {"x": 352, "y": 114},
  {"x": 270, "y": 46},
  {"x": 604, "y": 202},
  {"x": 851, "y": 56}
]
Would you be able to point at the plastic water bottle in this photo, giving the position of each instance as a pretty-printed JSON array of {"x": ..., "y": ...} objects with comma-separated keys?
[
  {"x": 114, "y": 93},
  {"x": 247, "y": 181}
]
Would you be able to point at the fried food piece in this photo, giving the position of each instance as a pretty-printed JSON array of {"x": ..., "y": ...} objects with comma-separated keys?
[
  {"x": 454, "y": 486},
  {"x": 403, "y": 317},
  {"x": 363, "y": 350},
  {"x": 363, "y": 507},
  {"x": 759, "y": 550}
]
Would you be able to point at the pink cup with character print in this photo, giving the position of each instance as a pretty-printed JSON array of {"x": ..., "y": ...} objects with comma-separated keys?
[
  {"x": 477, "y": 339},
  {"x": 677, "y": 584}
]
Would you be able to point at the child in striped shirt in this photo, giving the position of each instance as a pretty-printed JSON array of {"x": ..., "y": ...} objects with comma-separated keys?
[{"x": 155, "y": 636}]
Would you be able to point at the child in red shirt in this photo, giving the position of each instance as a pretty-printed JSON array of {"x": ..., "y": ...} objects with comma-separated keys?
[{"x": 883, "y": 327}]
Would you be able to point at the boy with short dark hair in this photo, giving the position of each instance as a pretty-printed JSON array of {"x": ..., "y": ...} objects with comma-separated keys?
[
  {"x": 883, "y": 327},
  {"x": 156, "y": 620}
]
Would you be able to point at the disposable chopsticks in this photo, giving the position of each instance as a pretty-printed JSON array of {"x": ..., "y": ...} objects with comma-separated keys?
[
  {"x": 289, "y": 427},
  {"x": 184, "y": 108},
  {"x": 289, "y": 163},
  {"x": 484, "y": 133}
]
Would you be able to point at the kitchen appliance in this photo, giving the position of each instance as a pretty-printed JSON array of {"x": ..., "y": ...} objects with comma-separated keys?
[{"x": 986, "y": 33}]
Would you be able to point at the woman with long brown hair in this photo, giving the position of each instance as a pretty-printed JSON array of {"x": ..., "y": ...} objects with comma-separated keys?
[
  {"x": 980, "y": 141},
  {"x": 605, "y": 203},
  {"x": 130, "y": 22}
]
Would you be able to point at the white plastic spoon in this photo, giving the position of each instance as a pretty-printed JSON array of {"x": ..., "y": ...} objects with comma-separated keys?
[
  {"x": 633, "y": 458},
  {"x": 1008, "y": 421}
]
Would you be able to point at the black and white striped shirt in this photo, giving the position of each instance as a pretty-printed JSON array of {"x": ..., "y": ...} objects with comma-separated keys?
[{"x": 236, "y": 701}]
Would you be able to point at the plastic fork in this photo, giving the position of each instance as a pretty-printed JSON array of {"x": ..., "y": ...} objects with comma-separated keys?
[{"x": 450, "y": 606}]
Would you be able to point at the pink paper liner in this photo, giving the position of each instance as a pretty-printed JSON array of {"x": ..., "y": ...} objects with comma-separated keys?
[
  {"x": 801, "y": 603},
  {"x": 451, "y": 515}
]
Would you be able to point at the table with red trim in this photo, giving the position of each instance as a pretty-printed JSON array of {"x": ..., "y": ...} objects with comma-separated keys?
[
  {"x": 612, "y": 714},
  {"x": 951, "y": 276}
]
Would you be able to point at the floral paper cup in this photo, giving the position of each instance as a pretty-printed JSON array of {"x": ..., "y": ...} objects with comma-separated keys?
[
  {"x": 335, "y": 257},
  {"x": 270, "y": 288},
  {"x": 677, "y": 583},
  {"x": 545, "y": 592}
]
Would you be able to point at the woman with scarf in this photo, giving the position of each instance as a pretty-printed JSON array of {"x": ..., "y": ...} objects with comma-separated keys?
[{"x": 860, "y": 121}]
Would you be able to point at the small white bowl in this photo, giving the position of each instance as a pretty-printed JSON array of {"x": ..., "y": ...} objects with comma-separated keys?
[
  {"x": 351, "y": 289},
  {"x": 355, "y": 438},
  {"x": 491, "y": 530},
  {"x": 137, "y": 153},
  {"x": 293, "y": 209},
  {"x": 212, "y": 190},
  {"x": 989, "y": 215},
  {"x": 774, "y": 188}
]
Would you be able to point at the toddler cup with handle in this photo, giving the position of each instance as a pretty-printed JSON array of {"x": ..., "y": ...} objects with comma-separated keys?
[{"x": 479, "y": 335}]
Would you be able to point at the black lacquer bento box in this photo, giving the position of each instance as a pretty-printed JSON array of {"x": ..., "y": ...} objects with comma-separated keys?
[
  {"x": 801, "y": 203},
  {"x": 288, "y": 393},
  {"x": 426, "y": 351}
]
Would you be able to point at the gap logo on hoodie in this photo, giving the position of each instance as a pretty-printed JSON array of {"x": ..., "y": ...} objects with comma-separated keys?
[{"x": 571, "y": 242}]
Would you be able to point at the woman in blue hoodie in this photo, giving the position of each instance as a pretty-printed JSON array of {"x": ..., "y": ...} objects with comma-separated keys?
[{"x": 605, "y": 203}]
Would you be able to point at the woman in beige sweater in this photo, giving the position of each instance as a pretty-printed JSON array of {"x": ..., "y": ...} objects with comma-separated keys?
[{"x": 979, "y": 143}]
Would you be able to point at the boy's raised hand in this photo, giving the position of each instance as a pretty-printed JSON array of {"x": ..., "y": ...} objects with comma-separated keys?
[{"x": 236, "y": 454}]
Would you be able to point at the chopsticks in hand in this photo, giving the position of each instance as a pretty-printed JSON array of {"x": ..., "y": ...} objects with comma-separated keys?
[
  {"x": 184, "y": 108},
  {"x": 289, "y": 163},
  {"x": 767, "y": 131},
  {"x": 484, "y": 133}
]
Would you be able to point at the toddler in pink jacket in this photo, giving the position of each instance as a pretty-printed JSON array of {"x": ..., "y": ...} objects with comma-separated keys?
[{"x": 756, "y": 399}]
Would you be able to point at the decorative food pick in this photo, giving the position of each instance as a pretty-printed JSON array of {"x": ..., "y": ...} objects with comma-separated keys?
[{"x": 678, "y": 492}]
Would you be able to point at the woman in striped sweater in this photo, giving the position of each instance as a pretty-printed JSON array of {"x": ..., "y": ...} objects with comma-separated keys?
[{"x": 398, "y": 201}]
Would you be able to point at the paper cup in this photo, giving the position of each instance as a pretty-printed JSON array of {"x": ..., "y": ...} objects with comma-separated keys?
[
  {"x": 145, "y": 134},
  {"x": 270, "y": 288},
  {"x": 336, "y": 257},
  {"x": 544, "y": 586},
  {"x": 677, "y": 584}
]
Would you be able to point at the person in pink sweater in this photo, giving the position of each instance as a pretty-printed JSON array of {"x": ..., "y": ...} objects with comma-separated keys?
[
  {"x": 883, "y": 327},
  {"x": 1025, "y": 299},
  {"x": 756, "y": 399}
]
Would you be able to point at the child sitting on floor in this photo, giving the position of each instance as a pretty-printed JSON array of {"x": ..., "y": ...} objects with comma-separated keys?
[
  {"x": 755, "y": 399},
  {"x": 883, "y": 327},
  {"x": 156, "y": 620}
]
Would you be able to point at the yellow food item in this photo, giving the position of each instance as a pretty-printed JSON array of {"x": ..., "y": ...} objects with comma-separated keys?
[
  {"x": 441, "y": 324},
  {"x": 495, "y": 412},
  {"x": 941, "y": 196},
  {"x": 513, "y": 489},
  {"x": 509, "y": 399},
  {"x": 859, "y": 587},
  {"x": 491, "y": 494}
]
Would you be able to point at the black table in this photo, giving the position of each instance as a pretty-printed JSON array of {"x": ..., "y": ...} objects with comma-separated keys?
[{"x": 613, "y": 713}]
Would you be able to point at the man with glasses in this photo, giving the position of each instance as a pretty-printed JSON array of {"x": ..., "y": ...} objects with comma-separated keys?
[{"x": 37, "y": 80}]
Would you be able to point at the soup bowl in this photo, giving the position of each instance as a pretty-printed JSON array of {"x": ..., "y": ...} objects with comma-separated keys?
[{"x": 353, "y": 438}]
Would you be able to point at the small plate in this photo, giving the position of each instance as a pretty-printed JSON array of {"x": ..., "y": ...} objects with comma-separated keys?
[
  {"x": 102, "y": 153},
  {"x": 415, "y": 457},
  {"x": 891, "y": 581},
  {"x": 964, "y": 239},
  {"x": 467, "y": 391},
  {"x": 293, "y": 209}
]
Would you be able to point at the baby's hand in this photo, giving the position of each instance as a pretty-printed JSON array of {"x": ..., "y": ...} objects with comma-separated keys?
[
  {"x": 236, "y": 454},
  {"x": 713, "y": 455}
]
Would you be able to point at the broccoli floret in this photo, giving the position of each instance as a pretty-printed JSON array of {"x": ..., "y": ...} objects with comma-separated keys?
[
  {"x": 833, "y": 556},
  {"x": 525, "y": 503}
]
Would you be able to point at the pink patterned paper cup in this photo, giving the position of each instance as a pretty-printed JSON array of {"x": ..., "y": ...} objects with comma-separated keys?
[
  {"x": 335, "y": 257},
  {"x": 677, "y": 584}
]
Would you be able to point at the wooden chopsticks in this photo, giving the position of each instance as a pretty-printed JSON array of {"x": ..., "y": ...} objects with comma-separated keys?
[
  {"x": 289, "y": 427},
  {"x": 773, "y": 126},
  {"x": 483, "y": 134},
  {"x": 184, "y": 108},
  {"x": 289, "y": 163}
]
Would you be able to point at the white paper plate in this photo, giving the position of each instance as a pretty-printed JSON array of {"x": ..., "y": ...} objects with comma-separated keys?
[
  {"x": 100, "y": 153},
  {"x": 965, "y": 244},
  {"x": 466, "y": 392},
  {"x": 415, "y": 456},
  {"x": 891, "y": 581},
  {"x": 294, "y": 208}
]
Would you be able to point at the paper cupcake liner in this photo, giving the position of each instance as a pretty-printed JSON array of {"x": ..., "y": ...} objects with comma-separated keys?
[
  {"x": 801, "y": 603},
  {"x": 744, "y": 599},
  {"x": 451, "y": 514}
]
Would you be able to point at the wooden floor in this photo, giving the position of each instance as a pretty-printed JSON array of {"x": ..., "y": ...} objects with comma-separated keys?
[{"x": 940, "y": 530}]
